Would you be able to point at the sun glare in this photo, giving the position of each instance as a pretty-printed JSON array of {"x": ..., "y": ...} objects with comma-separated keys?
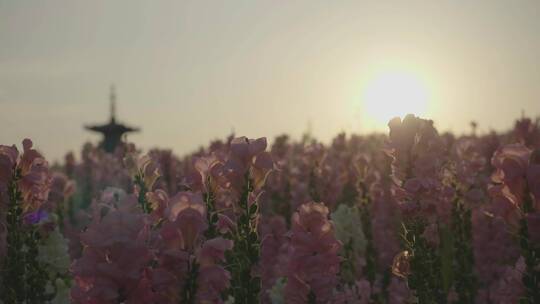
[{"x": 392, "y": 94}]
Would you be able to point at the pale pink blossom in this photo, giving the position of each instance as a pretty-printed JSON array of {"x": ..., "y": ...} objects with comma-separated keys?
[
  {"x": 186, "y": 215},
  {"x": 511, "y": 162},
  {"x": 273, "y": 237},
  {"x": 114, "y": 259},
  {"x": 314, "y": 257},
  {"x": 212, "y": 279}
]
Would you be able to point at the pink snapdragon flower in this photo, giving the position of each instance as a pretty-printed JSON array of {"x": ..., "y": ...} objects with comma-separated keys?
[
  {"x": 114, "y": 259},
  {"x": 384, "y": 223},
  {"x": 491, "y": 256},
  {"x": 143, "y": 167},
  {"x": 517, "y": 174},
  {"x": 469, "y": 161},
  {"x": 527, "y": 132},
  {"x": 159, "y": 202},
  {"x": 169, "y": 167},
  {"x": 223, "y": 173},
  {"x": 62, "y": 188},
  {"x": 179, "y": 237},
  {"x": 34, "y": 181},
  {"x": 246, "y": 155},
  {"x": 471, "y": 171},
  {"x": 509, "y": 288},
  {"x": 186, "y": 215},
  {"x": 212, "y": 279},
  {"x": 417, "y": 150},
  {"x": 203, "y": 165},
  {"x": 314, "y": 260},
  {"x": 331, "y": 177},
  {"x": 35, "y": 178},
  {"x": 418, "y": 159},
  {"x": 272, "y": 231},
  {"x": 99, "y": 170},
  {"x": 511, "y": 164}
]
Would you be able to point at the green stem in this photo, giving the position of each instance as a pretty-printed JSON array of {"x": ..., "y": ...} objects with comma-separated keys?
[
  {"x": 23, "y": 278},
  {"x": 465, "y": 280},
  {"x": 189, "y": 291},
  {"x": 531, "y": 253},
  {"x": 244, "y": 256},
  {"x": 425, "y": 278},
  {"x": 211, "y": 215},
  {"x": 145, "y": 206}
]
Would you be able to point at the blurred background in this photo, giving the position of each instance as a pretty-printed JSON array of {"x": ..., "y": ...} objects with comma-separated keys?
[{"x": 187, "y": 72}]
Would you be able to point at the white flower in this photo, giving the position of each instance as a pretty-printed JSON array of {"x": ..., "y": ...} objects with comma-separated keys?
[
  {"x": 276, "y": 293},
  {"x": 53, "y": 252},
  {"x": 348, "y": 227},
  {"x": 62, "y": 293}
]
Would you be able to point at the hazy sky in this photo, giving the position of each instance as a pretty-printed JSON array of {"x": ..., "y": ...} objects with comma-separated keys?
[{"x": 190, "y": 71}]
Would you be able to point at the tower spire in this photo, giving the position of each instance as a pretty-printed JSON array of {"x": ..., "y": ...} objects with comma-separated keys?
[
  {"x": 112, "y": 131},
  {"x": 112, "y": 98}
]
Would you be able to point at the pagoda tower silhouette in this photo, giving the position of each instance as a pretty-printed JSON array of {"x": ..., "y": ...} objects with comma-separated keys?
[{"x": 113, "y": 131}]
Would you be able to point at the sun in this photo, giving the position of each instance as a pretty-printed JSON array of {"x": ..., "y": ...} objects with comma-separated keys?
[{"x": 392, "y": 94}]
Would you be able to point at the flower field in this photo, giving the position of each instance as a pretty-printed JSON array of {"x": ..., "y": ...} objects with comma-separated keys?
[{"x": 412, "y": 216}]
